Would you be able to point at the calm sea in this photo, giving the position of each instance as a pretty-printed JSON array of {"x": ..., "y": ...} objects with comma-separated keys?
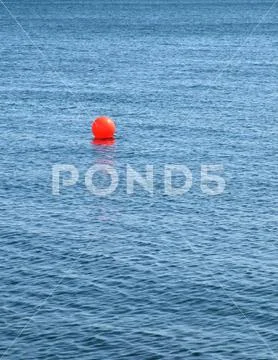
[{"x": 139, "y": 276}]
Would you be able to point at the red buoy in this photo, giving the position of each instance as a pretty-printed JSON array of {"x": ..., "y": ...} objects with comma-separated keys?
[{"x": 103, "y": 128}]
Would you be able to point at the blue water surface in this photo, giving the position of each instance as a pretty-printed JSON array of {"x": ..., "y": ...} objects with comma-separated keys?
[{"x": 139, "y": 276}]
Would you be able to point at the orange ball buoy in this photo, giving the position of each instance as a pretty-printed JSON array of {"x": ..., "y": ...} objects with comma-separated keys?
[{"x": 103, "y": 128}]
